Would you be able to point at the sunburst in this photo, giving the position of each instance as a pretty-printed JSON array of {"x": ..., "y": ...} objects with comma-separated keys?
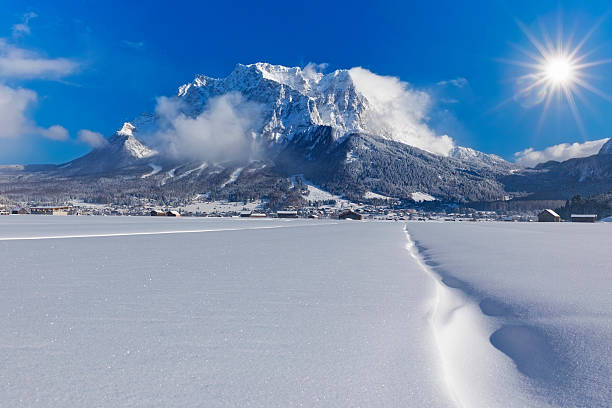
[{"x": 556, "y": 69}]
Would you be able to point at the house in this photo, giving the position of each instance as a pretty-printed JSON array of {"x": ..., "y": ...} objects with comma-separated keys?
[
  {"x": 3, "y": 212},
  {"x": 258, "y": 215},
  {"x": 584, "y": 217},
  {"x": 246, "y": 214},
  {"x": 20, "y": 211},
  {"x": 50, "y": 210},
  {"x": 287, "y": 214},
  {"x": 157, "y": 213},
  {"x": 548, "y": 215},
  {"x": 173, "y": 213},
  {"x": 349, "y": 215}
]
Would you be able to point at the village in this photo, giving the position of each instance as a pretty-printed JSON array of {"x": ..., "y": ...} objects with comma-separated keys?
[{"x": 388, "y": 212}]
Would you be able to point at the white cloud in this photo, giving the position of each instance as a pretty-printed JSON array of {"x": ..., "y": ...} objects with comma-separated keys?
[
  {"x": 23, "y": 28},
  {"x": 312, "y": 70},
  {"x": 91, "y": 138},
  {"x": 223, "y": 131},
  {"x": 14, "y": 106},
  {"x": 399, "y": 112},
  {"x": 458, "y": 82},
  {"x": 18, "y": 63},
  {"x": 55, "y": 132},
  {"x": 564, "y": 151},
  {"x": 15, "y": 103}
]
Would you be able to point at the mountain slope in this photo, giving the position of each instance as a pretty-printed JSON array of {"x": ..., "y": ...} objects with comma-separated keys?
[
  {"x": 585, "y": 176},
  {"x": 362, "y": 162}
]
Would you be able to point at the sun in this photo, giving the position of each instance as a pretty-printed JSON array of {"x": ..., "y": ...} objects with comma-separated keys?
[
  {"x": 559, "y": 70},
  {"x": 555, "y": 69}
]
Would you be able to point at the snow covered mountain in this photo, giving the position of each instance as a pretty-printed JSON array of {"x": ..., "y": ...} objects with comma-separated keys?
[
  {"x": 349, "y": 101},
  {"x": 120, "y": 151},
  {"x": 350, "y": 131}
]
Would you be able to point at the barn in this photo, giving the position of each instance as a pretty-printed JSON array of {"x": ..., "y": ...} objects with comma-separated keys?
[
  {"x": 173, "y": 213},
  {"x": 51, "y": 210},
  {"x": 349, "y": 215},
  {"x": 287, "y": 214},
  {"x": 584, "y": 217},
  {"x": 548, "y": 215}
]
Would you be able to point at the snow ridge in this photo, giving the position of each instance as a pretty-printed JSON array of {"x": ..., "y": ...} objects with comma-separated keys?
[{"x": 469, "y": 361}]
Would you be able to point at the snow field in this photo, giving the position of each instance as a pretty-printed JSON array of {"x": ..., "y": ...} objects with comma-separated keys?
[
  {"x": 307, "y": 314},
  {"x": 146, "y": 311},
  {"x": 540, "y": 294}
]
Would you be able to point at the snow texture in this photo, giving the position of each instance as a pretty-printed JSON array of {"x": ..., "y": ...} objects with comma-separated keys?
[
  {"x": 524, "y": 315},
  {"x": 212, "y": 312},
  {"x": 262, "y": 313}
]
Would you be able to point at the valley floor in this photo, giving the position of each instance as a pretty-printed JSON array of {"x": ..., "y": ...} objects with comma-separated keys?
[{"x": 146, "y": 311}]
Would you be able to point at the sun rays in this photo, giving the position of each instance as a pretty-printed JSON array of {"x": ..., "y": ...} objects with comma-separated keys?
[{"x": 556, "y": 70}]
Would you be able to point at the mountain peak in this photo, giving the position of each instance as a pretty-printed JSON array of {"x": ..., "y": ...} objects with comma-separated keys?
[
  {"x": 127, "y": 129},
  {"x": 124, "y": 141}
]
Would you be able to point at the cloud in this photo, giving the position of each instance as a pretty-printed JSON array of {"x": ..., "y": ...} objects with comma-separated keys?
[
  {"x": 15, "y": 102},
  {"x": 20, "y": 30},
  {"x": 564, "y": 151},
  {"x": 20, "y": 63},
  {"x": 458, "y": 82},
  {"x": 223, "y": 131},
  {"x": 135, "y": 45},
  {"x": 91, "y": 138},
  {"x": 399, "y": 112},
  {"x": 23, "y": 28},
  {"x": 14, "y": 106},
  {"x": 55, "y": 132},
  {"x": 312, "y": 70}
]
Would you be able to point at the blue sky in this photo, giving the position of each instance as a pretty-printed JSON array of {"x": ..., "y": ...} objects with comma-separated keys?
[{"x": 111, "y": 59}]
